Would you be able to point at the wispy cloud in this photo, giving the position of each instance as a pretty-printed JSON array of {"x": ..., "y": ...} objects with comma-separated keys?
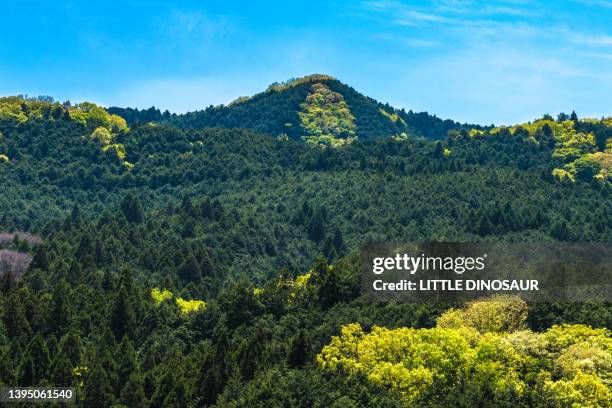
[
  {"x": 602, "y": 40},
  {"x": 418, "y": 43},
  {"x": 496, "y": 59},
  {"x": 194, "y": 25},
  {"x": 412, "y": 17},
  {"x": 506, "y": 10},
  {"x": 595, "y": 3}
]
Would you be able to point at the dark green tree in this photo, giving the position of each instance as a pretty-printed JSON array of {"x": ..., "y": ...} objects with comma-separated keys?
[{"x": 132, "y": 209}]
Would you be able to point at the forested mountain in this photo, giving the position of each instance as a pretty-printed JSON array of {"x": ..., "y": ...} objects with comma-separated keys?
[
  {"x": 172, "y": 264},
  {"x": 285, "y": 108}
]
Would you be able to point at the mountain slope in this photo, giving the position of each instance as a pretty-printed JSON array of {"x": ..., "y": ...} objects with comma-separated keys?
[{"x": 277, "y": 111}]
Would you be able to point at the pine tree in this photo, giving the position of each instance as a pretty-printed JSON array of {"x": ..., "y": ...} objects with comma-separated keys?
[
  {"x": 298, "y": 354},
  {"x": 338, "y": 240},
  {"x": 70, "y": 345},
  {"x": 14, "y": 317},
  {"x": 98, "y": 390},
  {"x": 132, "y": 394},
  {"x": 316, "y": 228},
  {"x": 248, "y": 356},
  {"x": 58, "y": 318},
  {"x": 61, "y": 372},
  {"x": 7, "y": 282},
  {"x": 190, "y": 270},
  {"x": 27, "y": 373},
  {"x": 132, "y": 209},
  {"x": 35, "y": 361},
  {"x": 7, "y": 371},
  {"x": 122, "y": 319},
  {"x": 125, "y": 357},
  {"x": 41, "y": 258}
]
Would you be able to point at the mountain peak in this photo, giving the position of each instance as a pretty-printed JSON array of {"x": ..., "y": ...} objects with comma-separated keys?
[
  {"x": 282, "y": 110},
  {"x": 291, "y": 82}
]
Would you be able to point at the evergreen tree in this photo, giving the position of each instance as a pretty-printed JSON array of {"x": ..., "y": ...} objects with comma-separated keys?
[
  {"x": 298, "y": 351},
  {"x": 41, "y": 258},
  {"x": 98, "y": 389},
  {"x": 190, "y": 269},
  {"x": 59, "y": 316},
  {"x": 61, "y": 373},
  {"x": 70, "y": 345},
  {"x": 122, "y": 318},
  {"x": 132, "y": 209},
  {"x": 13, "y": 316},
  {"x": 126, "y": 362},
  {"x": 316, "y": 228},
  {"x": 132, "y": 394}
]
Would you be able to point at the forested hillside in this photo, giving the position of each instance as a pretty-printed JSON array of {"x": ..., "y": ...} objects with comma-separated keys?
[
  {"x": 152, "y": 259},
  {"x": 284, "y": 109}
]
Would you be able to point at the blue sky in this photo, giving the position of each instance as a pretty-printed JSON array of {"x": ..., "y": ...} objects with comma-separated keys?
[{"x": 469, "y": 60}]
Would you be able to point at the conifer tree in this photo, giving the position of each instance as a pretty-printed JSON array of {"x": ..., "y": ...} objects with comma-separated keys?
[
  {"x": 61, "y": 372},
  {"x": 70, "y": 345},
  {"x": 132, "y": 209},
  {"x": 98, "y": 389},
  {"x": 190, "y": 269},
  {"x": 298, "y": 351},
  {"x": 58, "y": 318},
  {"x": 132, "y": 394},
  {"x": 122, "y": 315},
  {"x": 316, "y": 228}
]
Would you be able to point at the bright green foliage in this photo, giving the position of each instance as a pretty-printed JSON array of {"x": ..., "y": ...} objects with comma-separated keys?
[
  {"x": 560, "y": 130},
  {"x": 583, "y": 390},
  {"x": 21, "y": 109},
  {"x": 92, "y": 116},
  {"x": 498, "y": 314},
  {"x": 590, "y": 166},
  {"x": 326, "y": 118},
  {"x": 117, "y": 148},
  {"x": 561, "y": 174},
  {"x": 566, "y": 365},
  {"x": 393, "y": 117},
  {"x": 102, "y": 135},
  {"x": 563, "y": 336},
  {"x": 117, "y": 123},
  {"x": 584, "y": 168},
  {"x": 104, "y": 127},
  {"x": 160, "y": 295},
  {"x": 185, "y": 306},
  {"x": 302, "y": 280},
  {"x": 573, "y": 145},
  {"x": 106, "y": 133},
  {"x": 604, "y": 160},
  {"x": 18, "y": 109},
  {"x": 190, "y": 306},
  {"x": 11, "y": 111},
  {"x": 298, "y": 286}
]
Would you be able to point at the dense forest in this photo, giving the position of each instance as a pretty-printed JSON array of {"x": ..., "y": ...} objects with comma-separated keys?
[{"x": 212, "y": 258}]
